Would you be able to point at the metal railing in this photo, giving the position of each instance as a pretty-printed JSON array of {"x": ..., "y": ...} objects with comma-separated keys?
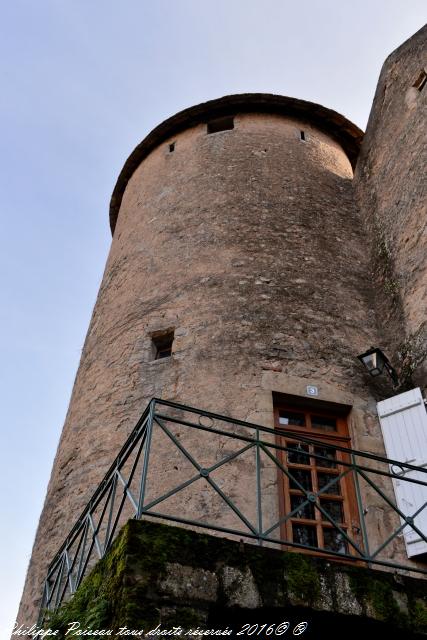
[{"x": 201, "y": 469}]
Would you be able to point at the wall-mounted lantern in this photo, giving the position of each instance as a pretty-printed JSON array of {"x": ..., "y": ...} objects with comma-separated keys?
[{"x": 375, "y": 362}]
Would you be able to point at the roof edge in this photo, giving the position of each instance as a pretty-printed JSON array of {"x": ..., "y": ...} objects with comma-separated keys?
[{"x": 347, "y": 134}]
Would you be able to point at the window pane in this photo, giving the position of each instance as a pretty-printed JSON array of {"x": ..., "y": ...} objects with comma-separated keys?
[
  {"x": 323, "y": 479},
  {"x": 306, "y": 511},
  {"x": 328, "y": 453},
  {"x": 303, "y": 477},
  {"x": 304, "y": 534},
  {"x": 326, "y": 424},
  {"x": 299, "y": 452},
  {"x": 290, "y": 418},
  {"x": 335, "y": 541},
  {"x": 334, "y": 509}
]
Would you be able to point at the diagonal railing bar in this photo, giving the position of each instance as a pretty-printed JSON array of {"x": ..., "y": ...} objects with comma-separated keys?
[
  {"x": 101, "y": 546},
  {"x": 54, "y": 590},
  {"x": 286, "y": 472},
  {"x": 94, "y": 535},
  {"x": 394, "y": 506},
  {"x": 45, "y": 597},
  {"x": 76, "y": 556},
  {"x": 342, "y": 475},
  {"x": 50, "y": 583},
  {"x": 101, "y": 516},
  {"x": 66, "y": 583},
  {"x": 307, "y": 493},
  {"x": 130, "y": 442},
  {"x": 360, "y": 507},
  {"x": 85, "y": 528},
  {"x": 55, "y": 576},
  {"x": 58, "y": 583},
  {"x": 315, "y": 494},
  {"x": 299, "y": 485},
  {"x": 53, "y": 569},
  {"x": 86, "y": 556},
  {"x": 52, "y": 573},
  {"x": 177, "y": 443},
  {"x": 134, "y": 466},
  {"x": 111, "y": 500},
  {"x": 284, "y": 519},
  {"x": 127, "y": 491},
  {"x": 401, "y": 528},
  {"x": 172, "y": 492},
  {"x": 232, "y": 506},
  {"x": 230, "y": 457},
  {"x": 116, "y": 519},
  {"x": 186, "y": 483},
  {"x": 70, "y": 577},
  {"x": 339, "y": 528},
  {"x": 207, "y": 477}
]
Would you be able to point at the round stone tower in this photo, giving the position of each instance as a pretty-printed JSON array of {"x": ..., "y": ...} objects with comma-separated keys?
[{"x": 238, "y": 277}]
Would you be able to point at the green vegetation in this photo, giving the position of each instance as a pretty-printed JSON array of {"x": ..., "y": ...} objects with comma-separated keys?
[{"x": 123, "y": 588}]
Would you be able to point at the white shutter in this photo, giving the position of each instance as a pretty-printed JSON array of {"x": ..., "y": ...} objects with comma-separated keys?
[{"x": 403, "y": 420}]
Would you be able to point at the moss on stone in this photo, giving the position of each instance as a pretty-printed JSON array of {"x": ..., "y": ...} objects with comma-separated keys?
[
  {"x": 125, "y": 587},
  {"x": 419, "y": 616},
  {"x": 381, "y": 598},
  {"x": 95, "y": 602},
  {"x": 302, "y": 577},
  {"x": 377, "y": 594}
]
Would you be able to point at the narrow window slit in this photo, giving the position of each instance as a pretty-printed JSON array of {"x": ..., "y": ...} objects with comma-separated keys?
[
  {"x": 162, "y": 344},
  {"x": 172, "y": 147},
  {"x": 302, "y": 135}
]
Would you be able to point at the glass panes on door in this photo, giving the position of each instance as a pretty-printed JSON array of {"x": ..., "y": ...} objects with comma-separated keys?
[{"x": 319, "y": 509}]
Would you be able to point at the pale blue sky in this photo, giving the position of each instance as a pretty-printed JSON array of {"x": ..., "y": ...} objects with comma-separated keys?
[{"x": 82, "y": 82}]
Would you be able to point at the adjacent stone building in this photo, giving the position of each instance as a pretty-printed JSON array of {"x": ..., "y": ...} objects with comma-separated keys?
[{"x": 260, "y": 243}]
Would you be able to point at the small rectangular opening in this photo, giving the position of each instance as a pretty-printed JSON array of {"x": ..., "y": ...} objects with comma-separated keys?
[
  {"x": 172, "y": 147},
  {"x": 302, "y": 135},
  {"x": 421, "y": 81},
  {"x": 162, "y": 344},
  {"x": 220, "y": 124}
]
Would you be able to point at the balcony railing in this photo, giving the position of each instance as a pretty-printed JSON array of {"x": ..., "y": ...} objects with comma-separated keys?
[{"x": 201, "y": 469}]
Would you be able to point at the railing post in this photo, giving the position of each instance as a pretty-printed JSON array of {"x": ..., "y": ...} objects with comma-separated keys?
[
  {"x": 148, "y": 434},
  {"x": 258, "y": 487}
]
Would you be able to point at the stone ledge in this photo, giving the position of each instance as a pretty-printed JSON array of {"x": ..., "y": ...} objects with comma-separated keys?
[{"x": 160, "y": 573}]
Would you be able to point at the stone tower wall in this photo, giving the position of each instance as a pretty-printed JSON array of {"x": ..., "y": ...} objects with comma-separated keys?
[{"x": 391, "y": 188}]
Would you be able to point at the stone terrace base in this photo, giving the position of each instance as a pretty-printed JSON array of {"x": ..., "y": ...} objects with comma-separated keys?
[{"x": 156, "y": 573}]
